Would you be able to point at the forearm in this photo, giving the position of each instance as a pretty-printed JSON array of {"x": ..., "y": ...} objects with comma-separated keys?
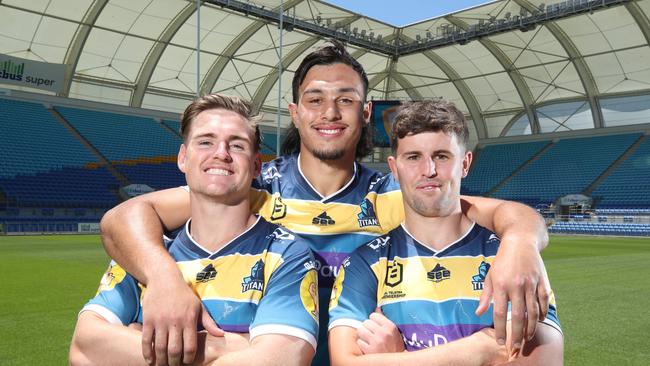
[
  {"x": 511, "y": 220},
  {"x": 546, "y": 348},
  {"x": 472, "y": 350},
  {"x": 132, "y": 232},
  {"x": 96, "y": 342},
  {"x": 273, "y": 350}
]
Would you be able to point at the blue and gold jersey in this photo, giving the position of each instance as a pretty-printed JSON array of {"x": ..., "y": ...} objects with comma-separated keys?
[
  {"x": 263, "y": 282},
  {"x": 430, "y": 296},
  {"x": 368, "y": 206}
]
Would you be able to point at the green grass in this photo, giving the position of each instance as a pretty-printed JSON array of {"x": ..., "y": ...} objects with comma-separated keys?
[
  {"x": 44, "y": 282},
  {"x": 600, "y": 285}
]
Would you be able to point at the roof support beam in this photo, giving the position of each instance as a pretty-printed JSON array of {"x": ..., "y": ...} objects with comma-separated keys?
[
  {"x": 78, "y": 42},
  {"x": 520, "y": 84},
  {"x": 464, "y": 91},
  {"x": 587, "y": 79},
  {"x": 150, "y": 62},
  {"x": 271, "y": 79},
  {"x": 220, "y": 63},
  {"x": 640, "y": 18}
]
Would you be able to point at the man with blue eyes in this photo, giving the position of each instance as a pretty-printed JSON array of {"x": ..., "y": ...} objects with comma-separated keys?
[
  {"x": 425, "y": 286},
  {"x": 319, "y": 190},
  {"x": 255, "y": 279}
]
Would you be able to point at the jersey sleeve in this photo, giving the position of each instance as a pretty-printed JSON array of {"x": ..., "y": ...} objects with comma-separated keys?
[
  {"x": 354, "y": 295},
  {"x": 290, "y": 302},
  {"x": 118, "y": 297}
]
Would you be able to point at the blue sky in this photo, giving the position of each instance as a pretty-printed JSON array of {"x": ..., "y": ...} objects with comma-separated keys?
[{"x": 404, "y": 12}]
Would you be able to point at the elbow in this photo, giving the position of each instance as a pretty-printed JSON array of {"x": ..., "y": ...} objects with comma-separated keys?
[
  {"x": 76, "y": 356},
  {"x": 105, "y": 225}
]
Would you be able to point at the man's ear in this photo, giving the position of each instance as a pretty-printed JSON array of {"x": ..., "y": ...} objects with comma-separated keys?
[
  {"x": 293, "y": 112},
  {"x": 258, "y": 164},
  {"x": 180, "y": 161},
  {"x": 392, "y": 164},
  {"x": 467, "y": 162},
  {"x": 367, "y": 111}
]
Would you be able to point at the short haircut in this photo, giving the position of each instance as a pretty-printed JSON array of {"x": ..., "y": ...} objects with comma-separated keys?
[
  {"x": 434, "y": 115},
  {"x": 334, "y": 53},
  {"x": 220, "y": 101}
]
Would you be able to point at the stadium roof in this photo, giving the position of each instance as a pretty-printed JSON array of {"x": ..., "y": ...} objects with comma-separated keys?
[{"x": 500, "y": 62}]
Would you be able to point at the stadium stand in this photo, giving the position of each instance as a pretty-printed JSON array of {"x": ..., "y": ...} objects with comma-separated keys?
[
  {"x": 623, "y": 229},
  {"x": 33, "y": 141},
  {"x": 567, "y": 167},
  {"x": 627, "y": 189},
  {"x": 121, "y": 137},
  {"x": 494, "y": 163}
]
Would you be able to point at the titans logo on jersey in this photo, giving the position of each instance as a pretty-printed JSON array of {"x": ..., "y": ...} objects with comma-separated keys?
[
  {"x": 262, "y": 282},
  {"x": 431, "y": 296}
]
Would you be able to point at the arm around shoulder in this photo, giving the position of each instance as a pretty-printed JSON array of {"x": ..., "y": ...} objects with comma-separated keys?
[{"x": 132, "y": 231}]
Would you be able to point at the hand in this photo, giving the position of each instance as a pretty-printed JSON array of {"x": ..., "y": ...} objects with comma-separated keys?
[
  {"x": 169, "y": 329},
  {"x": 379, "y": 335},
  {"x": 516, "y": 275}
]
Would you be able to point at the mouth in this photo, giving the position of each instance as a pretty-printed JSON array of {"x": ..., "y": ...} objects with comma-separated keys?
[
  {"x": 429, "y": 186},
  {"x": 330, "y": 130},
  {"x": 218, "y": 171}
]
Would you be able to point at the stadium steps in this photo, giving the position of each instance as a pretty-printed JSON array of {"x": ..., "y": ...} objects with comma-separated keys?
[
  {"x": 171, "y": 129},
  {"x": 520, "y": 168},
  {"x": 589, "y": 190},
  {"x": 116, "y": 173}
]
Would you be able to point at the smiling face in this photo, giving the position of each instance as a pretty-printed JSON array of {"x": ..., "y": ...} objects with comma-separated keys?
[
  {"x": 218, "y": 156},
  {"x": 330, "y": 112},
  {"x": 429, "y": 167}
]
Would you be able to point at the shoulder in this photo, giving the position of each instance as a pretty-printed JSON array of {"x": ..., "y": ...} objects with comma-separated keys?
[
  {"x": 380, "y": 183},
  {"x": 274, "y": 170},
  {"x": 374, "y": 249},
  {"x": 283, "y": 240}
]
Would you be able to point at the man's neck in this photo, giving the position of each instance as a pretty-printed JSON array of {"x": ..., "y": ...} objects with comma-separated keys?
[
  {"x": 326, "y": 176},
  {"x": 215, "y": 224},
  {"x": 436, "y": 232}
]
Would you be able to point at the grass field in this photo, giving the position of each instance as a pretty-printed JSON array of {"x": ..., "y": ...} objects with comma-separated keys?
[{"x": 599, "y": 283}]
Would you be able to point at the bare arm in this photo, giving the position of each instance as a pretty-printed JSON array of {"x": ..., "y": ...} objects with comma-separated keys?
[
  {"x": 517, "y": 274},
  {"x": 546, "y": 348},
  {"x": 131, "y": 233},
  {"x": 97, "y": 342},
  {"x": 477, "y": 349},
  {"x": 89, "y": 345},
  {"x": 270, "y": 350}
]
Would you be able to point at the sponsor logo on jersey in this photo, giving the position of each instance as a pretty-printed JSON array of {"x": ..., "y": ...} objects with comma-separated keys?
[
  {"x": 493, "y": 238},
  {"x": 323, "y": 220},
  {"x": 367, "y": 216},
  {"x": 270, "y": 174},
  {"x": 479, "y": 279},
  {"x": 208, "y": 273},
  {"x": 279, "y": 209},
  {"x": 392, "y": 294},
  {"x": 438, "y": 273},
  {"x": 415, "y": 343},
  {"x": 282, "y": 234},
  {"x": 379, "y": 242},
  {"x": 394, "y": 273},
  {"x": 309, "y": 293},
  {"x": 256, "y": 280}
]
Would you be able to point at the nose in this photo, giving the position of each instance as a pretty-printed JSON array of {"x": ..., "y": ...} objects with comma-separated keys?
[
  {"x": 430, "y": 167},
  {"x": 331, "y": 111},
  {"x": 221, "y": 152}
]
